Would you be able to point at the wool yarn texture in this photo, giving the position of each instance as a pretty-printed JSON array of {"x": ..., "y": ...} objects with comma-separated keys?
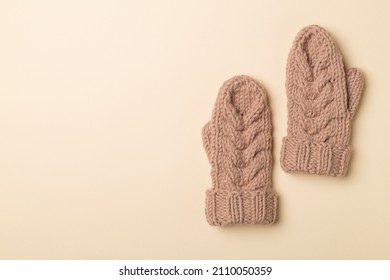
[
  {"x": 322, "y": 101},
  {"x": 238, "y": 144}
]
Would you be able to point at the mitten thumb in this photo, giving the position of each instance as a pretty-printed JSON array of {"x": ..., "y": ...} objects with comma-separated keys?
[
  {"x": 355, "y": 84},
  {"x": 206, "y": 135}
]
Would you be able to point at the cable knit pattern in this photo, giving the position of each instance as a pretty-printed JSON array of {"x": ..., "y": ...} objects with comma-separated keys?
[
  {"x": 322, "y": 100},
  {"x": 238, "y": 143}
]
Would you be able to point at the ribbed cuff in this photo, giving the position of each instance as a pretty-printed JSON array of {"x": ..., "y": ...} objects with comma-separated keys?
[
  {"x": 314, "y": 157},
  {"x": 243, "y": 207}
]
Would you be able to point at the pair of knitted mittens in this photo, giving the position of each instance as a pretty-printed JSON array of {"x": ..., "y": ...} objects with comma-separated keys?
[{"x": 322, "y": 100}]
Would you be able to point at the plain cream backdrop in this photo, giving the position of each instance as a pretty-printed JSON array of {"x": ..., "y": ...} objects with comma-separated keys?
[{"x": 101, "y": 108}]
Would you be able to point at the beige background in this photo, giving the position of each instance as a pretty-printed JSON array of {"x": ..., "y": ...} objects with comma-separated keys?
[{"x": 101, "y": 108}]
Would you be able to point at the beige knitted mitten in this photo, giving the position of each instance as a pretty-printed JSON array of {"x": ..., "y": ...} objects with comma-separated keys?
[
  {"x": 322, "y": 100},
  {"x": 238, "y": 143}
]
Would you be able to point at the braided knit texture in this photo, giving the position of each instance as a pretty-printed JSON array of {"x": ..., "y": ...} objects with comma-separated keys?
[
  {"x": 322, "y": 100},
  {"x": 238, "y": 144}
]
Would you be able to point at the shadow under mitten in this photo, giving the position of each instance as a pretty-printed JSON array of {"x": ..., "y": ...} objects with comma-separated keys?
[
  {"x": 322, "y": 100},
  {"x": 238, "y": 144}
]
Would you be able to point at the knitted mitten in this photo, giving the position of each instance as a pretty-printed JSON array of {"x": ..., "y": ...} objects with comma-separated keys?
[
  {"x": 322, "y": 100},
  {"x": 237, "y": 141}
]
